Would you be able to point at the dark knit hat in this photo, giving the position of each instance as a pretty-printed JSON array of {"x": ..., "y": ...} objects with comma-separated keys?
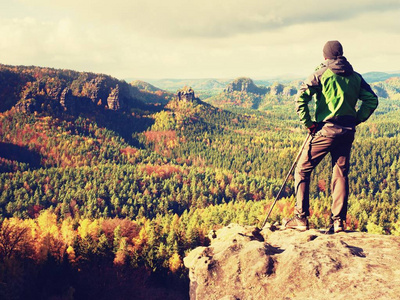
[{"x": 333, "y": 49}]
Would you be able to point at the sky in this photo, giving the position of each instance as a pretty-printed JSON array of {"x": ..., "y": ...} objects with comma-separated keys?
[{"x": 156, "y": 39}]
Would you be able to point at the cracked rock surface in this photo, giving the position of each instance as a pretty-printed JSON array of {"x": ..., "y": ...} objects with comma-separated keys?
[{"x": 243, "y": 263}]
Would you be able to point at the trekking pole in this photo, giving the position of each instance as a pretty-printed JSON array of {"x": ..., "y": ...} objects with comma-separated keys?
[{"x": 286, "y": 179}]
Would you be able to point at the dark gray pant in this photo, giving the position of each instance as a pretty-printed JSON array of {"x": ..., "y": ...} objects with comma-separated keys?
[{"x": 339, "y": 147}]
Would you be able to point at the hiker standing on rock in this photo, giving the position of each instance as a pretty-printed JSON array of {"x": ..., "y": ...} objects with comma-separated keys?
[{"x": 337, "y": 88}]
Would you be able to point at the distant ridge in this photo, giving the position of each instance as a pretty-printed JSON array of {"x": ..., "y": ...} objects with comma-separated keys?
[
  {"x": 38, "y": 89},
  {"x": 371, "y": 77},
  {"x": 145, "y": 86},
  {"x": 243, "y": 92},
  {"x": 173, "y": 84},
  {"x": 152, "y": 94}
]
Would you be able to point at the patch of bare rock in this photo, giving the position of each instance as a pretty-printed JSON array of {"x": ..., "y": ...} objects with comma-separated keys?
[{"x": 243, "y": 263}]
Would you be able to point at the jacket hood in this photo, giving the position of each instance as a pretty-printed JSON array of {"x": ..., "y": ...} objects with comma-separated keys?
[
  {"x": 340, "y": 66},
  {"x": 333, "y": 49}
]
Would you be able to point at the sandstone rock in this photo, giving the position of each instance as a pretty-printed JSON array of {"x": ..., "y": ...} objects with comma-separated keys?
[
  {"x": 46, "y": 90},
  {"x": 113, "y": 101},
  {"x": 185, "y": 94},
  {"x": 277, "y": 89},
  {"x": 241, "y": 263},
  {"x": 54, "y": 93},
  {"x": 289, "y": 91},
  {"x": 243, "y": 84},
  {"x": 26, "y": 106},
  {"x": 94, "y": 87},
  {"x": 67, "y": 99}
]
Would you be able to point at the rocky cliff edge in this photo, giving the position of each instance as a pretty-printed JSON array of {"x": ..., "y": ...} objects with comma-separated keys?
[{"x": 242, "y": 263}]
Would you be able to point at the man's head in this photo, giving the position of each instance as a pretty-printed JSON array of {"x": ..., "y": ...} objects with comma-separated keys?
[{"x": 332, "y": 50}]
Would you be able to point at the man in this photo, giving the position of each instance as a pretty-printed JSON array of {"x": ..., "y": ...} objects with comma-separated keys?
[{"x": 337, "y": 89}]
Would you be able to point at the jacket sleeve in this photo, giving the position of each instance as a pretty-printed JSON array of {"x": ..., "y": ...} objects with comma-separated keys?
[
  {"x": 310, "y": 87},
  {"x": 369, "y": 102}
]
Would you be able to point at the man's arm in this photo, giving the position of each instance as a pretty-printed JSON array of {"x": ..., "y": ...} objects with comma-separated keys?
[
  {"x": 369, "y": 102},
  {"x": 310, "y": 87}
]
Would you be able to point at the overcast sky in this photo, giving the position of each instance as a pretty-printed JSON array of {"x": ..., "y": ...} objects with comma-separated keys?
[{"x": 198, "y": 39}]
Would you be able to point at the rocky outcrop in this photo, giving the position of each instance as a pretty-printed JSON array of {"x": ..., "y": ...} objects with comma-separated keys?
[
  {"x": 54, "y": 93},
  {"x": 113, "y": 101},
  {"x": 277, "y": 89},
  {"x": 67, "y": 99},
  {"x": 246, "y": 85},
  {"x": 242, "y": 263},
  {"x": 65, "y": 91},
  {"x": 95, "y": 87},
  {"x": 185, "y": 94},
  {"x": 289, "y": 91},
  {"x": 26, "y": 106},
  {"x": 243, "y": 84}
]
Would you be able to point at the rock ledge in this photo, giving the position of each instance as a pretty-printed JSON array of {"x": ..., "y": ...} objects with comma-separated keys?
[{"x": 242, "y": 263}]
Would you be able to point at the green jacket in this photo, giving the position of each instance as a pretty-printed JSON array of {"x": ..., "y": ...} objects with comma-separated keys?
[{"x": 337, "y": 88}]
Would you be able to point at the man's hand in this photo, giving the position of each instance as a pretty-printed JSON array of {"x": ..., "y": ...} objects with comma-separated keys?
[{"x": 313, "y": 128}]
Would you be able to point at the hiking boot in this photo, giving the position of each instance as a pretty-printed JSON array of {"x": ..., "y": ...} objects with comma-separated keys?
[
  {"x": 300, "y": 223},
  {"x": 338, "y": 226}
]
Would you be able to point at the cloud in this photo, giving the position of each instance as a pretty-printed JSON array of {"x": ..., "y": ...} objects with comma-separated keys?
[
  {"x": 61, "y": 43},
  {"x": 176, "y": 38},
  {"x": 215, "y": 18}
]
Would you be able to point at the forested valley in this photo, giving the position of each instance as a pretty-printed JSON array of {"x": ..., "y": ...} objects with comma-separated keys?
[{"x": 103, "y": 200}]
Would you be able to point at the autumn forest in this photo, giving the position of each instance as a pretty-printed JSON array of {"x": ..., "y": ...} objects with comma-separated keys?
[{"x": 105, "y": 186}]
